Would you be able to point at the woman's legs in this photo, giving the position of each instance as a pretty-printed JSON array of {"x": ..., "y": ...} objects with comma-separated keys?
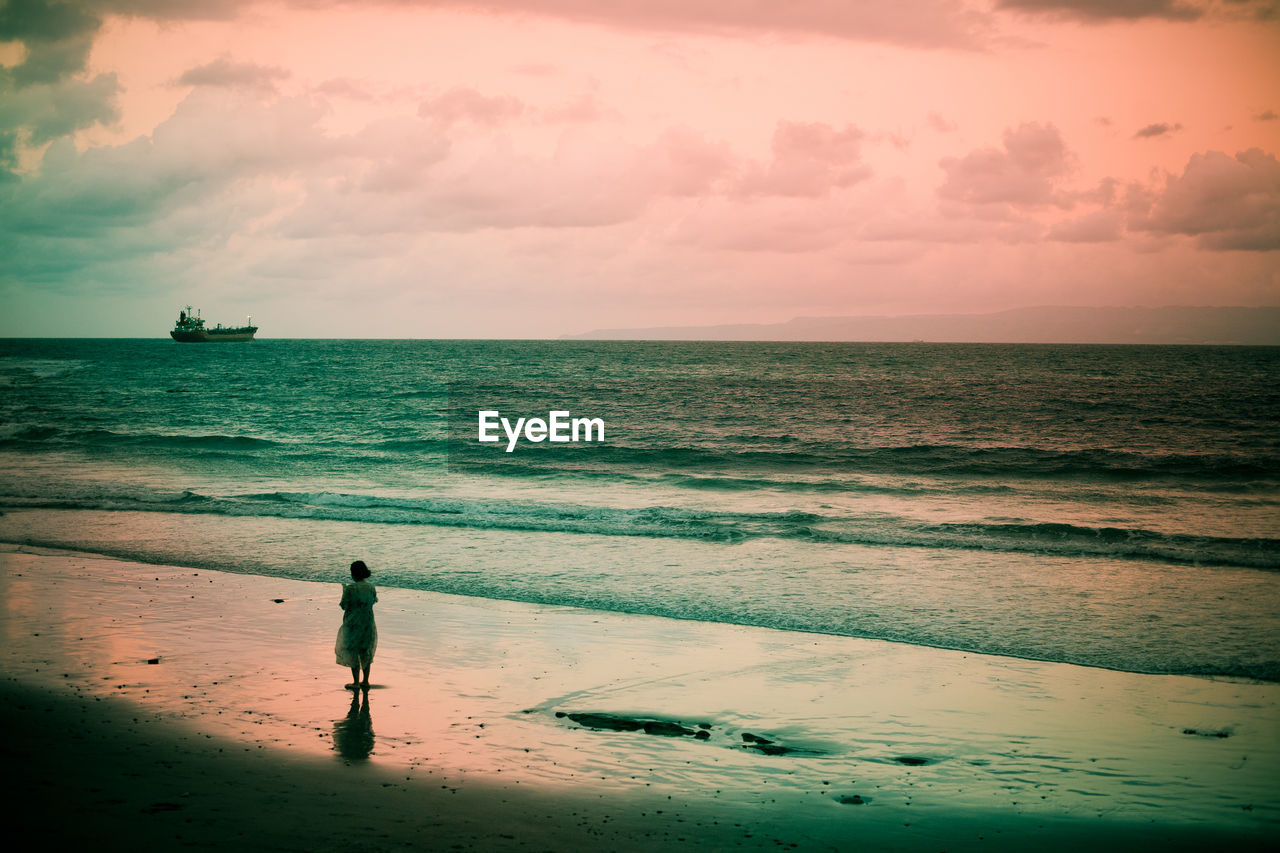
[
  {"x": 355, "y": 677},
  {"x": 365, "y": 683}
]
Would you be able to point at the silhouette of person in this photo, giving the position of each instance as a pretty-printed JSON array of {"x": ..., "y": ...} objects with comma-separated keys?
[{"x": 358, "y": 636}]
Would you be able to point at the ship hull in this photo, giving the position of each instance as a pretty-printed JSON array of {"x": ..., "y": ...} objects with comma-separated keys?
[{"x": 207, "y": 337}]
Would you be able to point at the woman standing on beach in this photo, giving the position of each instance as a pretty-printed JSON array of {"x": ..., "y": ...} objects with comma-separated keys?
[{"x": 358, "y": 636}]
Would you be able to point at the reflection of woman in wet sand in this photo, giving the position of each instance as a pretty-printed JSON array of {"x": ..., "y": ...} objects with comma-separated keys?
[
  {"x": 353, "y": 735},
  {"x": 358, "y": 636}
]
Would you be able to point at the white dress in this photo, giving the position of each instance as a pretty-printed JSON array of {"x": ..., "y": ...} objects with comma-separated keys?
[{"x": 358, "y": 636}]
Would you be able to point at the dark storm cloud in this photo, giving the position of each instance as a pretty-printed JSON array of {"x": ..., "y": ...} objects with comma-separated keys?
[
  {"x": 57, "y": 37},
  {"x": 39, "y": 113},
  {"x": 43, "y": 21}
]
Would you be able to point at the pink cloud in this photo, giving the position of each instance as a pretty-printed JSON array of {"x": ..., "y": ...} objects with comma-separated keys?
[
  {"x": 586, "y": 108},
  {"x": 393, "y": 155},
  {"x": 345, "y": 87},
  {"x": 1225, "y": 202},
  {"x": 465, "y": 104},
  {"x": 809, "y": 159},
  {"x": 772, "y": 225},
  {"x": 233, "y": 75},
  {"x": 920, "y": 23},
  {"x": 956, "y": 230},
  {"x": 480, "y": 182},
  {"x": 940, "y": 124},
  {"x": 1152, "y": 131},
  {"x": 1023, "y": 174},
  {"x": 685, "y": 164},
  {"x": 1100, "y": 226}
]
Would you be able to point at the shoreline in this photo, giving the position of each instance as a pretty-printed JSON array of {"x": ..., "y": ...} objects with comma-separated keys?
[
  {"x": 1105, "y": 614},
  {"x": 54, "y": 549},
  {"x": 865, "y": 743}
]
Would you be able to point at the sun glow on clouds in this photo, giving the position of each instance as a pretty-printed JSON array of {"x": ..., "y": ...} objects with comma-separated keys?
[{"x": 537, "y": 167}]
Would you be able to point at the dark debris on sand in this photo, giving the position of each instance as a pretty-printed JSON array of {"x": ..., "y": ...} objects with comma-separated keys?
[
  {"x": 615, "y": 723},
  {"x": 676, "y": 728}
]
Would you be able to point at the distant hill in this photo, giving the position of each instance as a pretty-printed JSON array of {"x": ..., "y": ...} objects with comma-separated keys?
[{"x": 1175, "y": 325}]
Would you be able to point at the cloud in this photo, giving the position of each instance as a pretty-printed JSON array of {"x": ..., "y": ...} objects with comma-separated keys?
[
  {"x": 535, "y": 69},
  {"x": 1102, "y": 11},
  {"x": 1104, "y": 194},
  {"x": 391, "y": 155},
  {"x": 465, "y": 104},
  {"x": 47, "y": 111},
  {"x": 1158, "y": 129},
  {"x": 588, "y": 181},
  {"x": 58, "y": 34},
  {"x": 1269, "y": 115},
  {"x": 40, "y": 100},
  {"x": 57, "y": 37},
  {"x": 1106, "y": 10},
  {"x": 233, "y": 75},
  {"x": 1227, "y": 203},
  {"x": 34, "y": 115},
  {"x": 914, "y": 23},
  {"x": 1101, "y": 226},
  {"x": 586, "y": 108},
  {"x": 1249, "y": 10},
  {"x": 926, "y": 228},
  {"x": 345, "y": 87},
  {"x": 940, "y": 124},
  {"x": 774, "y": 225},
  {"x": 230, "y": 168},
  {"x": 203, "y": 174},
  {"x": 918, "y": 23},
  {"x": 495, "y": 189},
  {"x": 809, "y": 159},
  {"x": 1022, "y": 174},
  {"x": 683, "y": 163}
]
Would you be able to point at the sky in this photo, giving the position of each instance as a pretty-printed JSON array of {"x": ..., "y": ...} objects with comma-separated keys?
[{"x": 532, "y": 168}]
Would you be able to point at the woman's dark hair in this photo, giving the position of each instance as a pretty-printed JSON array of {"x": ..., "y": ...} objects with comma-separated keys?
[{"x": 359, "y": 570}]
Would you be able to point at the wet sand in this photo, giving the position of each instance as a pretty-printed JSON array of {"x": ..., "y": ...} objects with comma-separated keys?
[{"x": 160, "y": 707}]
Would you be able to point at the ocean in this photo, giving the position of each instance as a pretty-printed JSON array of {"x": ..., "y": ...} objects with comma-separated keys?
[{"x": 1111, "y": 506}]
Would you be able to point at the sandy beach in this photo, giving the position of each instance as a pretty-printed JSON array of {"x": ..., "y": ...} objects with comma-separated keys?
[{"x": 161, "y": 706}]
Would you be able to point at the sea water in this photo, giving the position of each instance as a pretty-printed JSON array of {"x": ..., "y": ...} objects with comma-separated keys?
[{"x": 1114, "y": 506}]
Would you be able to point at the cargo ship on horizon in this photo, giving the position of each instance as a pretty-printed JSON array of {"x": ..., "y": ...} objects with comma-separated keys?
[{"x": 190, "y": 329}]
